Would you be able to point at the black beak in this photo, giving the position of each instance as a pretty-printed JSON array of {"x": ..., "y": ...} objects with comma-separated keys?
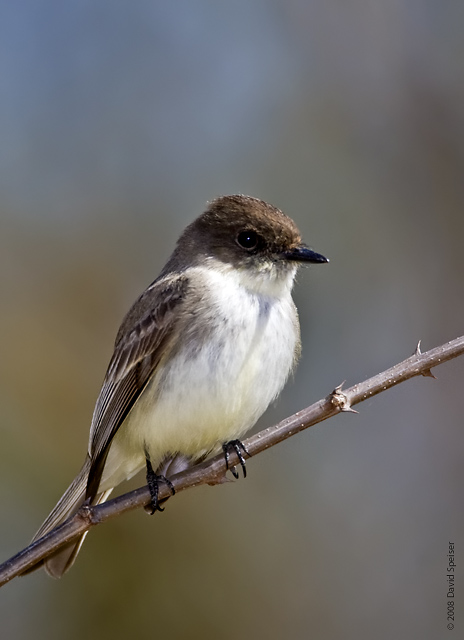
[{"x": 303, "y": 254}]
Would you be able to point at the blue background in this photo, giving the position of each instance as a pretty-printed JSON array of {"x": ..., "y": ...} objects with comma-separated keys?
[{"x": 118, "y": 121}]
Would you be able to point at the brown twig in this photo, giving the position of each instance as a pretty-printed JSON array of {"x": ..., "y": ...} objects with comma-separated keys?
[{"x": 213, "y": 470}]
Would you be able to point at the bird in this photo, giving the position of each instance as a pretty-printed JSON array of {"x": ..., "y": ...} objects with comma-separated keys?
[{"x": 197, "y": 359}]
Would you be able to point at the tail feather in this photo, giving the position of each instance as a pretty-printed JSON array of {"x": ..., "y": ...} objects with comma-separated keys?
[
  {"x": 57, "y": 564},
  {"x": 71, "y": 501}
]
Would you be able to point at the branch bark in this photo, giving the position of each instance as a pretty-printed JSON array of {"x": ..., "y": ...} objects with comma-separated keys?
[{"x": 213, "y": 470}]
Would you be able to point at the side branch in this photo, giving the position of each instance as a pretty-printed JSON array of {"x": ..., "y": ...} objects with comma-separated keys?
[{"x": 213, "y": 470}]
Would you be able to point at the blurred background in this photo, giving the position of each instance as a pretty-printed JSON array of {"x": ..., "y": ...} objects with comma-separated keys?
[{"x": 118, "y": 122}]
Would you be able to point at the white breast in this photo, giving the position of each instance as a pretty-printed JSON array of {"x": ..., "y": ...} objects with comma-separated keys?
[{"x": 206, "y": 396}]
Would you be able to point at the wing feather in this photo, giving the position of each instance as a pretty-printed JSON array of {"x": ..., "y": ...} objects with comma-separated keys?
[{"x": 143, "y": 338}]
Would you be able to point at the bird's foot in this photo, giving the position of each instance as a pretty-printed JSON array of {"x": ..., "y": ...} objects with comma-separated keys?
[
  {"x": 239, "y": 448},
  {"x": 153, "y": 481}
]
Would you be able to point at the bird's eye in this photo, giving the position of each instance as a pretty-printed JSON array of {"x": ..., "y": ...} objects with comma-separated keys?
[{"x": 248, "y": 239}]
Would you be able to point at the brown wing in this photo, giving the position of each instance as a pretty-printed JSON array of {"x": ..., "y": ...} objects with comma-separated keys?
[{"x": 142, "y": 339}]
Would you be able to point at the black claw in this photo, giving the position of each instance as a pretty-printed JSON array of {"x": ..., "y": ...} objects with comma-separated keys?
[
  {"x": 153, "y": 481},
  {"x": 239, "y": 449},
  {"x": 234, "y": 472}
]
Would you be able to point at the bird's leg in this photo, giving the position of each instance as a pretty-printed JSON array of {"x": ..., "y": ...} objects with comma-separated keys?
[
  {"x": 239, "y": 448},
  {"x": 153, "y": 481}
]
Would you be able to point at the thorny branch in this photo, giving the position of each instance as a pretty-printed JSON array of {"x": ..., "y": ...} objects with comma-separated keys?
[{"x": 213, "y": 470}]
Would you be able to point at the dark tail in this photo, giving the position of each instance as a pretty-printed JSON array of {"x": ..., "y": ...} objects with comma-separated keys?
[{"x": 71, "y": 501}]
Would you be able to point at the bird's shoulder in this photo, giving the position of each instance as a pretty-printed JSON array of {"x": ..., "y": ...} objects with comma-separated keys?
[{"x": 148, "y": 321}]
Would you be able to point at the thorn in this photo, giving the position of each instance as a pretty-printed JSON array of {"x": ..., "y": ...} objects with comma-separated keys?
[
  {"x": 348, "y": 410},
  {"x": 340, "y": 400},
  {"x": 427, "y": 373}
]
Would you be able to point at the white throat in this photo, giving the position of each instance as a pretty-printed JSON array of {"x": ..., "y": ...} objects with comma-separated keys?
[{"x": 267, "y": 279}]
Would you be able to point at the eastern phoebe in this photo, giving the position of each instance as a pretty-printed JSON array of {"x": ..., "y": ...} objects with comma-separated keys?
[{"x": 198, "y": 358}]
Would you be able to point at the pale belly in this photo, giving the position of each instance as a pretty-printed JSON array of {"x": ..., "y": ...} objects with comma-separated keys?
[{"x": 205, "y": 397}]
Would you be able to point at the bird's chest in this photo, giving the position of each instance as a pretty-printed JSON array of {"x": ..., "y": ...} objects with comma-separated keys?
[
  {"x": 252, "y": 346},
  {"x": 234, "y": 354},
  {"x": 235, "y": 358}
]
